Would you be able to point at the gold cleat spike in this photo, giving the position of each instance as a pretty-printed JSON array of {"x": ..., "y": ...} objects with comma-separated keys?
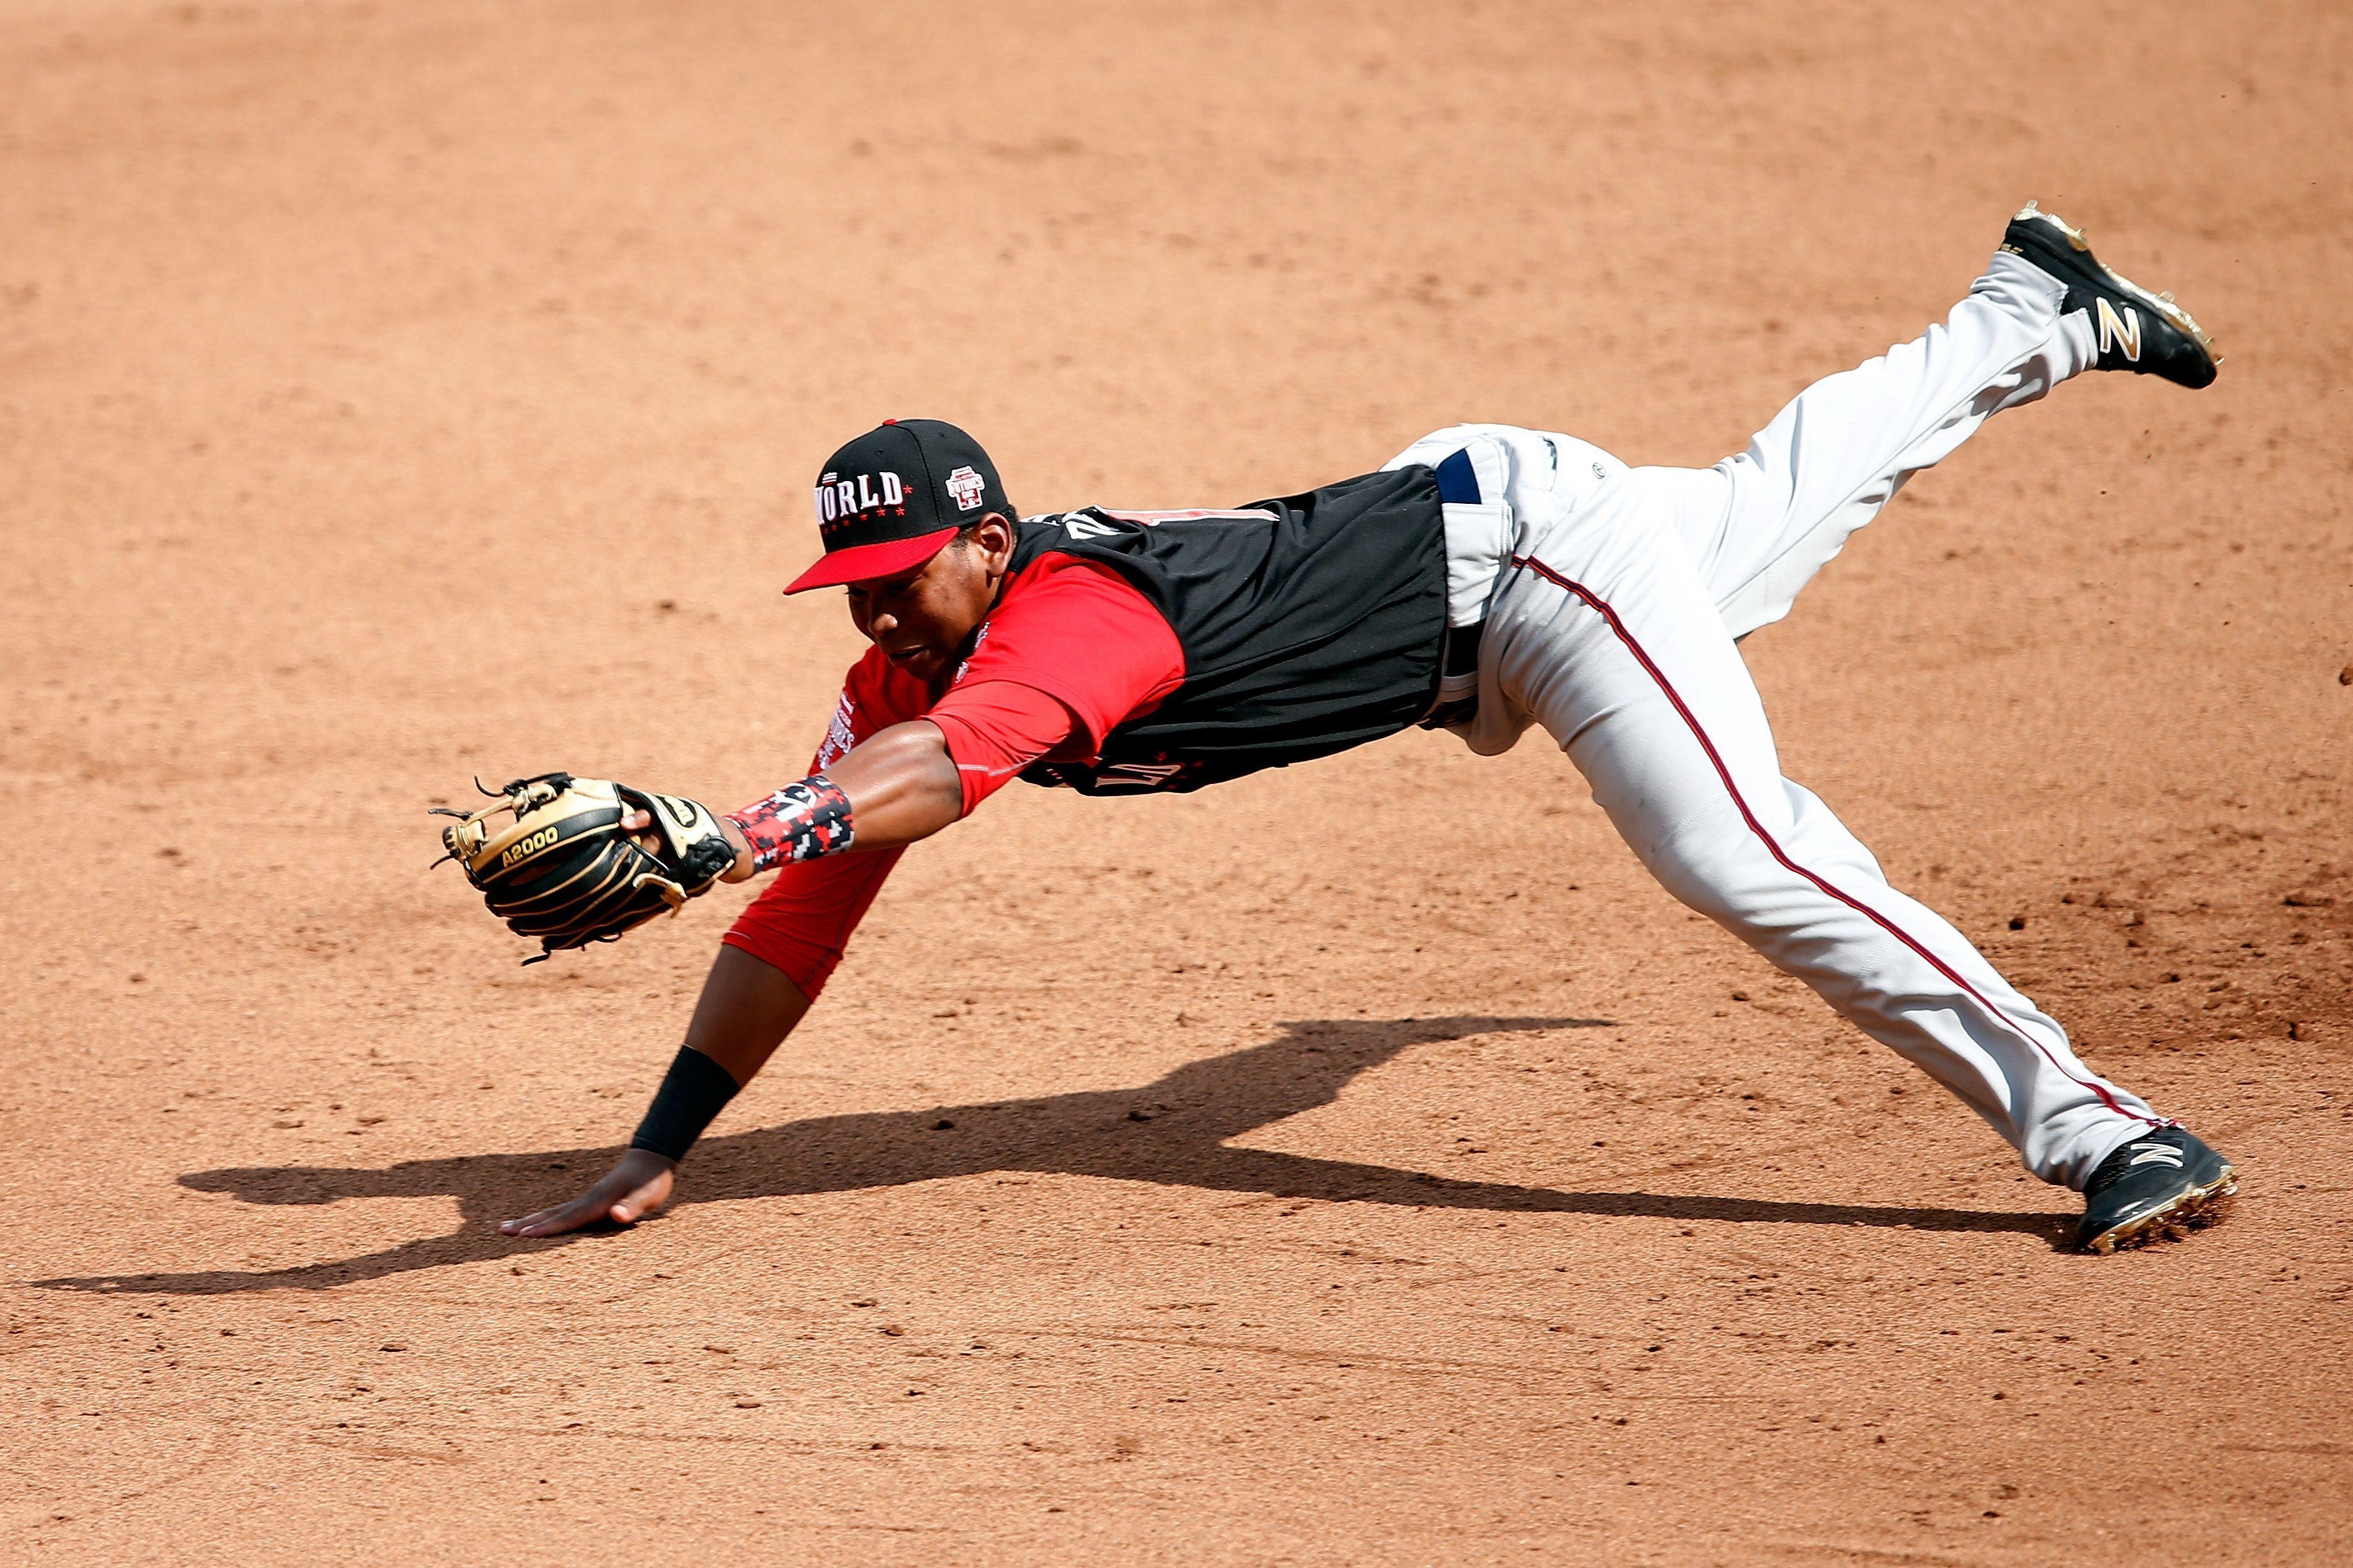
[
  {"x": 2185, "y": 322},
  {"x": 2034, "y": 210}
]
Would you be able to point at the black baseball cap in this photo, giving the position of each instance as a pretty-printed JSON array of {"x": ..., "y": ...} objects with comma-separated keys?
[{"x": 887, "y": 501}]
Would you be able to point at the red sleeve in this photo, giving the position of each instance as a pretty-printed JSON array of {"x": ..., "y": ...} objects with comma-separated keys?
[
  {"x": 801, "y": 921},
  {"x": 995, "y": 729},
  {"x": 1079, "y": 632},
  {"x": 1071, "y": 652}
]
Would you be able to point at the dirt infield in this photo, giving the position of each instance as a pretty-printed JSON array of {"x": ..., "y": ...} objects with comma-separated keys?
[{"x": 1362, "y": 1164}]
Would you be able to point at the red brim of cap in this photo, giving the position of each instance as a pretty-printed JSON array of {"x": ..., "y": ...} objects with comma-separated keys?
[{"x": 861, "y": 561}]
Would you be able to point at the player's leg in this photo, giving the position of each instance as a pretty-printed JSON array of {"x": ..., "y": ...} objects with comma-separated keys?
[
  {"x": 1759, "y": 525},
  {"x": 1607, "y": 636}
]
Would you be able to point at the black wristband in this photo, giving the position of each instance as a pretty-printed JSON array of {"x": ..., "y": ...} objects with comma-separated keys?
[{"x": 693, "y": 1092}]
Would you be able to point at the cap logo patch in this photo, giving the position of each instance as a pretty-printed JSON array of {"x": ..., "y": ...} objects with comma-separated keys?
[
  {"x": 964, "y": 487},
  {"x": 840, "y": 500}
]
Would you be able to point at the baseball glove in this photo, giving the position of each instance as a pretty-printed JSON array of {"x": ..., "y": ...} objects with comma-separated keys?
[{"x": 564, "y": 872}]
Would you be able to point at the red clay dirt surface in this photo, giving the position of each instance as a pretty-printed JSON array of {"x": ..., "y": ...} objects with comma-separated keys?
[{"x": 1360, "y": 1163}]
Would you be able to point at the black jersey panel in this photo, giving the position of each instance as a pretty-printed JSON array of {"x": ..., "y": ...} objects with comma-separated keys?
[{"x": 1309, "y": 623}]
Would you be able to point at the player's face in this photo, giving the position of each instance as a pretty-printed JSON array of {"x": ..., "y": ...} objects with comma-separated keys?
[{"x": 922, "y": 618}]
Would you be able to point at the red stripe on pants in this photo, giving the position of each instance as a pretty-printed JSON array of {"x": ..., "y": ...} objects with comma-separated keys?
[{"x": 1595, "y": 602}]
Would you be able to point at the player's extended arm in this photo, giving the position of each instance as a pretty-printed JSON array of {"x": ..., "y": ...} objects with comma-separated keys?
[
  {"x": 901, "y": 786},
  {"x": 746, "y": 1009}
]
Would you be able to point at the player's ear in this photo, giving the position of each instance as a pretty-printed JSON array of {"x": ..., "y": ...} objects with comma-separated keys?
[{"x": 993, "y": 537}]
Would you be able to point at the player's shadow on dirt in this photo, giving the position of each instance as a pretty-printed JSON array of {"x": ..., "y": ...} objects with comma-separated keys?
[{"x": 1173, "y": 1132}]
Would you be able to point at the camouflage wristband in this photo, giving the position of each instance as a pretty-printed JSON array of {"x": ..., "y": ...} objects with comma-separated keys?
[{"x": 800, "y": 822}]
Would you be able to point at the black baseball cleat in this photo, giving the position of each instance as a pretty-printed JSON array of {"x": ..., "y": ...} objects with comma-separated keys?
[
  {"x": 2158, "y": 1186},
  {"x": 2140, "y": 331}
]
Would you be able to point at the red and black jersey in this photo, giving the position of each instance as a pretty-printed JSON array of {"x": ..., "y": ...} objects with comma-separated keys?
[
  {"x": 1134, "y": 651},
  {"x": 1307, "y": 624}
]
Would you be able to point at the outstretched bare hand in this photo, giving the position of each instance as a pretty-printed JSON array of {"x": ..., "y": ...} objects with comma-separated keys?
[
  {"x": 746, "y": 1007},
  {"x": 638, "y": 1183}
]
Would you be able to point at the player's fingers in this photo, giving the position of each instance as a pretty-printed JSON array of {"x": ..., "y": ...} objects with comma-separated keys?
[
  {"x": 555, "y": 1221},
  {"x": 636, "y": 820}
]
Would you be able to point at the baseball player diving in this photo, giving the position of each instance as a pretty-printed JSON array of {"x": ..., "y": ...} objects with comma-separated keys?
[{"x": 1487, "y": 579}]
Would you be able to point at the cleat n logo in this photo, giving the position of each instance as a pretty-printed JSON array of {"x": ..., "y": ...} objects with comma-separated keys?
[
  {"x": 2144, "y": 1152},
  {"x": 2120, "y": 330}
]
